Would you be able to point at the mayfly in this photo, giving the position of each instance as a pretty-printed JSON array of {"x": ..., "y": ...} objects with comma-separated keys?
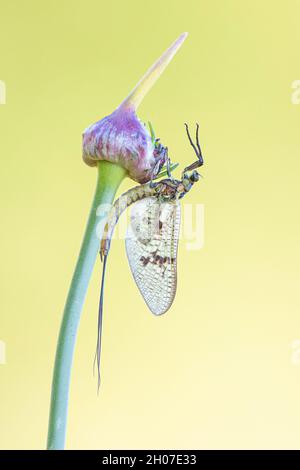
[{"x": 152, "y": 238}]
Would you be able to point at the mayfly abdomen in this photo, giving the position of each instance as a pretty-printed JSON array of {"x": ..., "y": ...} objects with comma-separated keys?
[{"x": 120, "y": 205}]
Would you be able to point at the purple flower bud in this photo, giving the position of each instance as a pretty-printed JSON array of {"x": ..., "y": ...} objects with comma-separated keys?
[{"x": 122, "y": 138}]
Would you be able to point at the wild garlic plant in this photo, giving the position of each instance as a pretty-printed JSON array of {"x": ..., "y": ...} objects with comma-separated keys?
[{"x": 119, "y": 146}]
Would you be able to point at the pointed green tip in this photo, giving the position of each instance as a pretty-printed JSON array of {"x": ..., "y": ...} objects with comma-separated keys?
[{"x": 136, "y": 96}]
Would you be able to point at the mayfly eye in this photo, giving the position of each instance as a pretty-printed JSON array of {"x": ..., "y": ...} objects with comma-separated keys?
[{"x": 195, "y": 176}]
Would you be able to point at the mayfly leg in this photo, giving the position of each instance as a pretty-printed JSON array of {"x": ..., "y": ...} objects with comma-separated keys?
[{"x": 168, "y": 163}]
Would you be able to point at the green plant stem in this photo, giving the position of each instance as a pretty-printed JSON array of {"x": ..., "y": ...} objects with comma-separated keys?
[{"x": 109, "y": 178}]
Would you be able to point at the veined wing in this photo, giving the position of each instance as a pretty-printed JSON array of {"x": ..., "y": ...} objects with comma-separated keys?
[{"x": 151, "y": 246}]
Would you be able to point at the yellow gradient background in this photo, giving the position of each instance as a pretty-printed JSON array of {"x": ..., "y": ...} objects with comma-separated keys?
[{"x": 219, "y": 369}]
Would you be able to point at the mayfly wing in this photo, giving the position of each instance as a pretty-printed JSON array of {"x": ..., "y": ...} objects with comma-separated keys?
[{"x": 151, "y": 246}]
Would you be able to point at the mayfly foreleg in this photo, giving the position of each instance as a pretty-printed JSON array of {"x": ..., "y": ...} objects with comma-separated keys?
[
  {"x": 196, "y": 148},
  {"x": 200, "y": 156}
]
